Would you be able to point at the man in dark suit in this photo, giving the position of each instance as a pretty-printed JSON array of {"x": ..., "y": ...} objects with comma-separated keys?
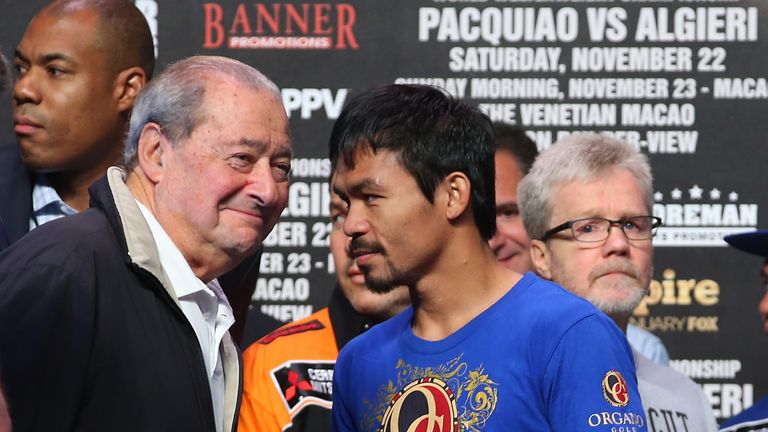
[
  {"x": 5, "y": 419},
  {"x": 80, "y": 66},
  {"x": 113, "y": 318}
]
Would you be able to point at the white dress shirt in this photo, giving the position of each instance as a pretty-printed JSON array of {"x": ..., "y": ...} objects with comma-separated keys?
[{"x": 205, "y": 306}]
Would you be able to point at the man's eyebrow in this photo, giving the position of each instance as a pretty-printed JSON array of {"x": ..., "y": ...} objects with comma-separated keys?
[
  {"x": 57, "y": 56},
  {"x": 261, "y": 147},
  {"x": 341, "y": 206},
  {"x": 507, "y": 206},
  {"x": 367, "y": 183},
  {"x": 46, "y": 58},
  {"x": 339, "y": 192}
]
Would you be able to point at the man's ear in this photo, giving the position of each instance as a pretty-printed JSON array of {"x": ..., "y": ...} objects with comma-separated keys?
[
  {"x": 128, "y": 84},
  {"x": 541, "y": 258},
  {"x": 152, "y": 144},
  {"x": 459, "y": 190}
]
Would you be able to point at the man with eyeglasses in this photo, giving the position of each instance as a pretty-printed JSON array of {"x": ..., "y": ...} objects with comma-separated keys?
[
  {"x": 586, "y": 203},
  {"x": 515, "y": 153}
]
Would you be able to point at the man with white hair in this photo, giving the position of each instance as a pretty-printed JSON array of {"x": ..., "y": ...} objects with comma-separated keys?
[
  {"x": 586, "y": 205},
  {"x": 515, "y": 153},
  {"x": 112, "y": 318}
]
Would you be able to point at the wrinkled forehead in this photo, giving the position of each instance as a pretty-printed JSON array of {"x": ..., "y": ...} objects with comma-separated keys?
[
  {"x": 613, "y": 195},
  {"x": 234, "y": 105}
]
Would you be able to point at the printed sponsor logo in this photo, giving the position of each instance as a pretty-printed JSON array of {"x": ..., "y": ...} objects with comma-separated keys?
[
  {"x": 615, "y": 389},
  {"x": 673, "y": 290},
  {"x": 304, "y": 382},
  {"x": 707, "y": 368},
  {"x": 427, "y": 404},
  {"x": 729, "y": 399},
  {"x": 416, "y": 403},
  {"x": 676, "y": 290},
  {"x": 702, "y": 218},
  {"x": 309, "y": 102},
  {"x": 307, "y": 26},
  {"x": 627, "y": 422}
]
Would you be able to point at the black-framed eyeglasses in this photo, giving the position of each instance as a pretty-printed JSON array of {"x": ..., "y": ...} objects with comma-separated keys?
[{"x": 597, "y": 229}]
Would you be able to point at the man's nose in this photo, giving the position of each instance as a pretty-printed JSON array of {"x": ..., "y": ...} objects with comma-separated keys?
[
  {"x": 25, "y": 90},
  {"x": 262, "y": 185},
  {"x": 617, "y": 242},
  {"x": 356, "y": 222}
]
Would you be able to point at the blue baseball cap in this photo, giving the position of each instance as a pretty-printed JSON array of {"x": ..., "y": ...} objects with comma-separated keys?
[{"x": 754, "y": 242}]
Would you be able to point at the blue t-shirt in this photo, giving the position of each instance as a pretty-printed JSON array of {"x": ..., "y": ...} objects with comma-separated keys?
[{"x": 539, "y": 359}]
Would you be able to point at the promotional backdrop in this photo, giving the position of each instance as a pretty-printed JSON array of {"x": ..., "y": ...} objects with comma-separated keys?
[{"x": 684, "y": 81}]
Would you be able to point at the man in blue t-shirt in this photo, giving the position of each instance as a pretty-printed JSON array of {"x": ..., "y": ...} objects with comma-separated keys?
[{"x": 483, "y": 348}]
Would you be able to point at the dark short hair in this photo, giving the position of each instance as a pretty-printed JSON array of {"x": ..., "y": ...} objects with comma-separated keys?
[
  {"x": 123, "y": 30},
  {"x": 432, "y": 134},
  {"x": 514, "y": 140}
]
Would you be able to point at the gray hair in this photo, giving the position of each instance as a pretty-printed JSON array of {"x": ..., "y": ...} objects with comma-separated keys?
[
  {"x": 578, "y": 157},
  {"x": 174, "y": 99}
]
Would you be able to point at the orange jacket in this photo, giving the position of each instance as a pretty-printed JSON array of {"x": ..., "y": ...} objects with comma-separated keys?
[{"x": 288, "y": 374}]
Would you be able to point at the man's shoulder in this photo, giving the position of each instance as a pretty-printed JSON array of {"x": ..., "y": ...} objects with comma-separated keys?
[
  {"x": 662, "y": 376},
  {"x": 663, "y": 388},
  {"x": 546, "y": 302},
  {"x": 305, "y": 339},
  {"x": 754, "y": 418},
  {"x": 58, "y": 239},
  {"x": 380, "y": 337},
  {"x": 74, "y": 229},
  {"x": 648, "y": 344},
  {"x": 315, "y": 322}
]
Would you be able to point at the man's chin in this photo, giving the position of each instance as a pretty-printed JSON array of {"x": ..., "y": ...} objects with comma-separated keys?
[
  {"x": 243, "y": 249},
  {"x": 34, "y": 160},
  {"x": 621, "y": 302},
  {"x": 379, "y": 285}
]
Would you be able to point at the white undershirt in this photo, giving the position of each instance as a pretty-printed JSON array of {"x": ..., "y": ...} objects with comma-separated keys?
[{"x": 205, "y": 306}]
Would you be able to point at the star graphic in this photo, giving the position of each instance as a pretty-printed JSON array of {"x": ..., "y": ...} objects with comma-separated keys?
[
  {"x": 676, "y": 194},
  {"x": 733, "y": 196},
  {"x": 658, "y": 196},
  {"x": 695, "y": 192},
  {"x": 714, "y": 194}
]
